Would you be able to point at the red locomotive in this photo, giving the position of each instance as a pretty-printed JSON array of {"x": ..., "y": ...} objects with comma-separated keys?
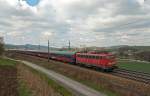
[{"x": 104, "y": 60}]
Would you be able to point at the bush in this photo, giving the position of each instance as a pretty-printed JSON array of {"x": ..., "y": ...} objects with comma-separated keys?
[
  {"x": 144, "y": 55},
  {"x": 1, "y": 48}
]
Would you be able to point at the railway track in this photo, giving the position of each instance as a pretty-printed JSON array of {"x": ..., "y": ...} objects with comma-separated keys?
[
  {"x": 134, "y": 75},
  {"x": 128, "y": 74}
]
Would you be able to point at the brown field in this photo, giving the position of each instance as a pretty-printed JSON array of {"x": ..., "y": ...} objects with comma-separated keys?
[
  {"x": 34, "y": 82},
  {"x": 97, "y": 80},
  {"x": 19, "y": 80},
  {"x": 8, "y": 81}
]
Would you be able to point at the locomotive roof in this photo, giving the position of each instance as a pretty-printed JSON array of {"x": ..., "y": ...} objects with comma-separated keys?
[{"x": 100, "y": 54}]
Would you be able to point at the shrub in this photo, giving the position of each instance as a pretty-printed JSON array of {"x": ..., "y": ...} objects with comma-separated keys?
[{"x": 1, "y": 48}]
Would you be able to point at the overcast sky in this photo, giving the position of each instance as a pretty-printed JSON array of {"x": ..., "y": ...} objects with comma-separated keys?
[{"x": 83, "y": 22}]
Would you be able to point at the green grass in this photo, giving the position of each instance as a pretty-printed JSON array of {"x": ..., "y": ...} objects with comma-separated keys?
[
  {"x": 23, "y": 89},
  {"x": 133, "y": 65},
  {"x": 58, "y": 88},
  {"x": 7, "y": 62}
]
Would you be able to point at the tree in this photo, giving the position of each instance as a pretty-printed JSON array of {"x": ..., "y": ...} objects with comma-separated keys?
[
  {"x": 143, "y": 55},
  {"x": 1, "y": 46}
]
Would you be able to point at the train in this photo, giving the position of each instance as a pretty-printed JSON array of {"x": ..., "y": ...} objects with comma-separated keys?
[{"x": 105, "y": 60}]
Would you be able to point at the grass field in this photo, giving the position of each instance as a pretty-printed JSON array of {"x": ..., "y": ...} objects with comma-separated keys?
[
  {"x": 7, "y": 62},
  {"x": 23, "y": 88},
  {"x": 134, "y": 65},
  {"x": 20, "y": 89},
  {"x": 40, "y": 84},
  {"x": 58, "y": 88}
]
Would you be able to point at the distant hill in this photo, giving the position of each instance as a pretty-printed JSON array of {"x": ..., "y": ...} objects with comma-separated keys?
[
  {"x": 140, "y": 48},
  {"x": 44, "y": 48},
  {"x": 29, "y": 47},
  {"x": 144, "y": 48}
]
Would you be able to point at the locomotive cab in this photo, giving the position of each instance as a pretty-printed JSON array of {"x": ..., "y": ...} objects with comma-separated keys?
[
  {"x": 109, "y": 61},
  {"x": 104, "y": 61}
]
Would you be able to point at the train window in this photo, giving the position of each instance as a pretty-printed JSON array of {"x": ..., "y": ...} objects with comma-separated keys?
[
  {"x": 91, "y": 57},
  {"x": 94, "y": 57},
  {"x": 87, "y": 56},
  {"x": 103, "y": 57},
  {"x": 97, "y": 57},
  {"x": 82, "y": 56},
  {"x": 79, "y": 55}
]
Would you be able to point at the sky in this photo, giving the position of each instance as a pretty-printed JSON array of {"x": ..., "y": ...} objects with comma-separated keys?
[{"x": 83, "y": 22}]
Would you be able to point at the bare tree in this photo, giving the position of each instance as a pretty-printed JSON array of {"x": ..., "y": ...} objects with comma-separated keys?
[{"x": 1, "y": 45}]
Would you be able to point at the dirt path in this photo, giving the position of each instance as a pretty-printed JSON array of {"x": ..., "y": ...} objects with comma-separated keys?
[{"x": 77, "y": 88}]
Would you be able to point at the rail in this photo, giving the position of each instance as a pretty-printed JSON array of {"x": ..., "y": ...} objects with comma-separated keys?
[{"x": 134, "y": 75}]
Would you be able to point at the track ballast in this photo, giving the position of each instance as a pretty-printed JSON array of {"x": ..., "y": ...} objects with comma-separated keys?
[{"x": 134, "y": 75}]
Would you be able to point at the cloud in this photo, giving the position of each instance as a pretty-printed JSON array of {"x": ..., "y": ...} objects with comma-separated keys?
[
  {"x": 46, "y": 36},
  {"x": 83, "y": 22}
]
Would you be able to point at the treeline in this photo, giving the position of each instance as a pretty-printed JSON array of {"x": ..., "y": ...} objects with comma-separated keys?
[
  {"x": 1, "y": 46},
  {"x": 133, "y": 53},
  {"x": 144, "y": 55}
]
